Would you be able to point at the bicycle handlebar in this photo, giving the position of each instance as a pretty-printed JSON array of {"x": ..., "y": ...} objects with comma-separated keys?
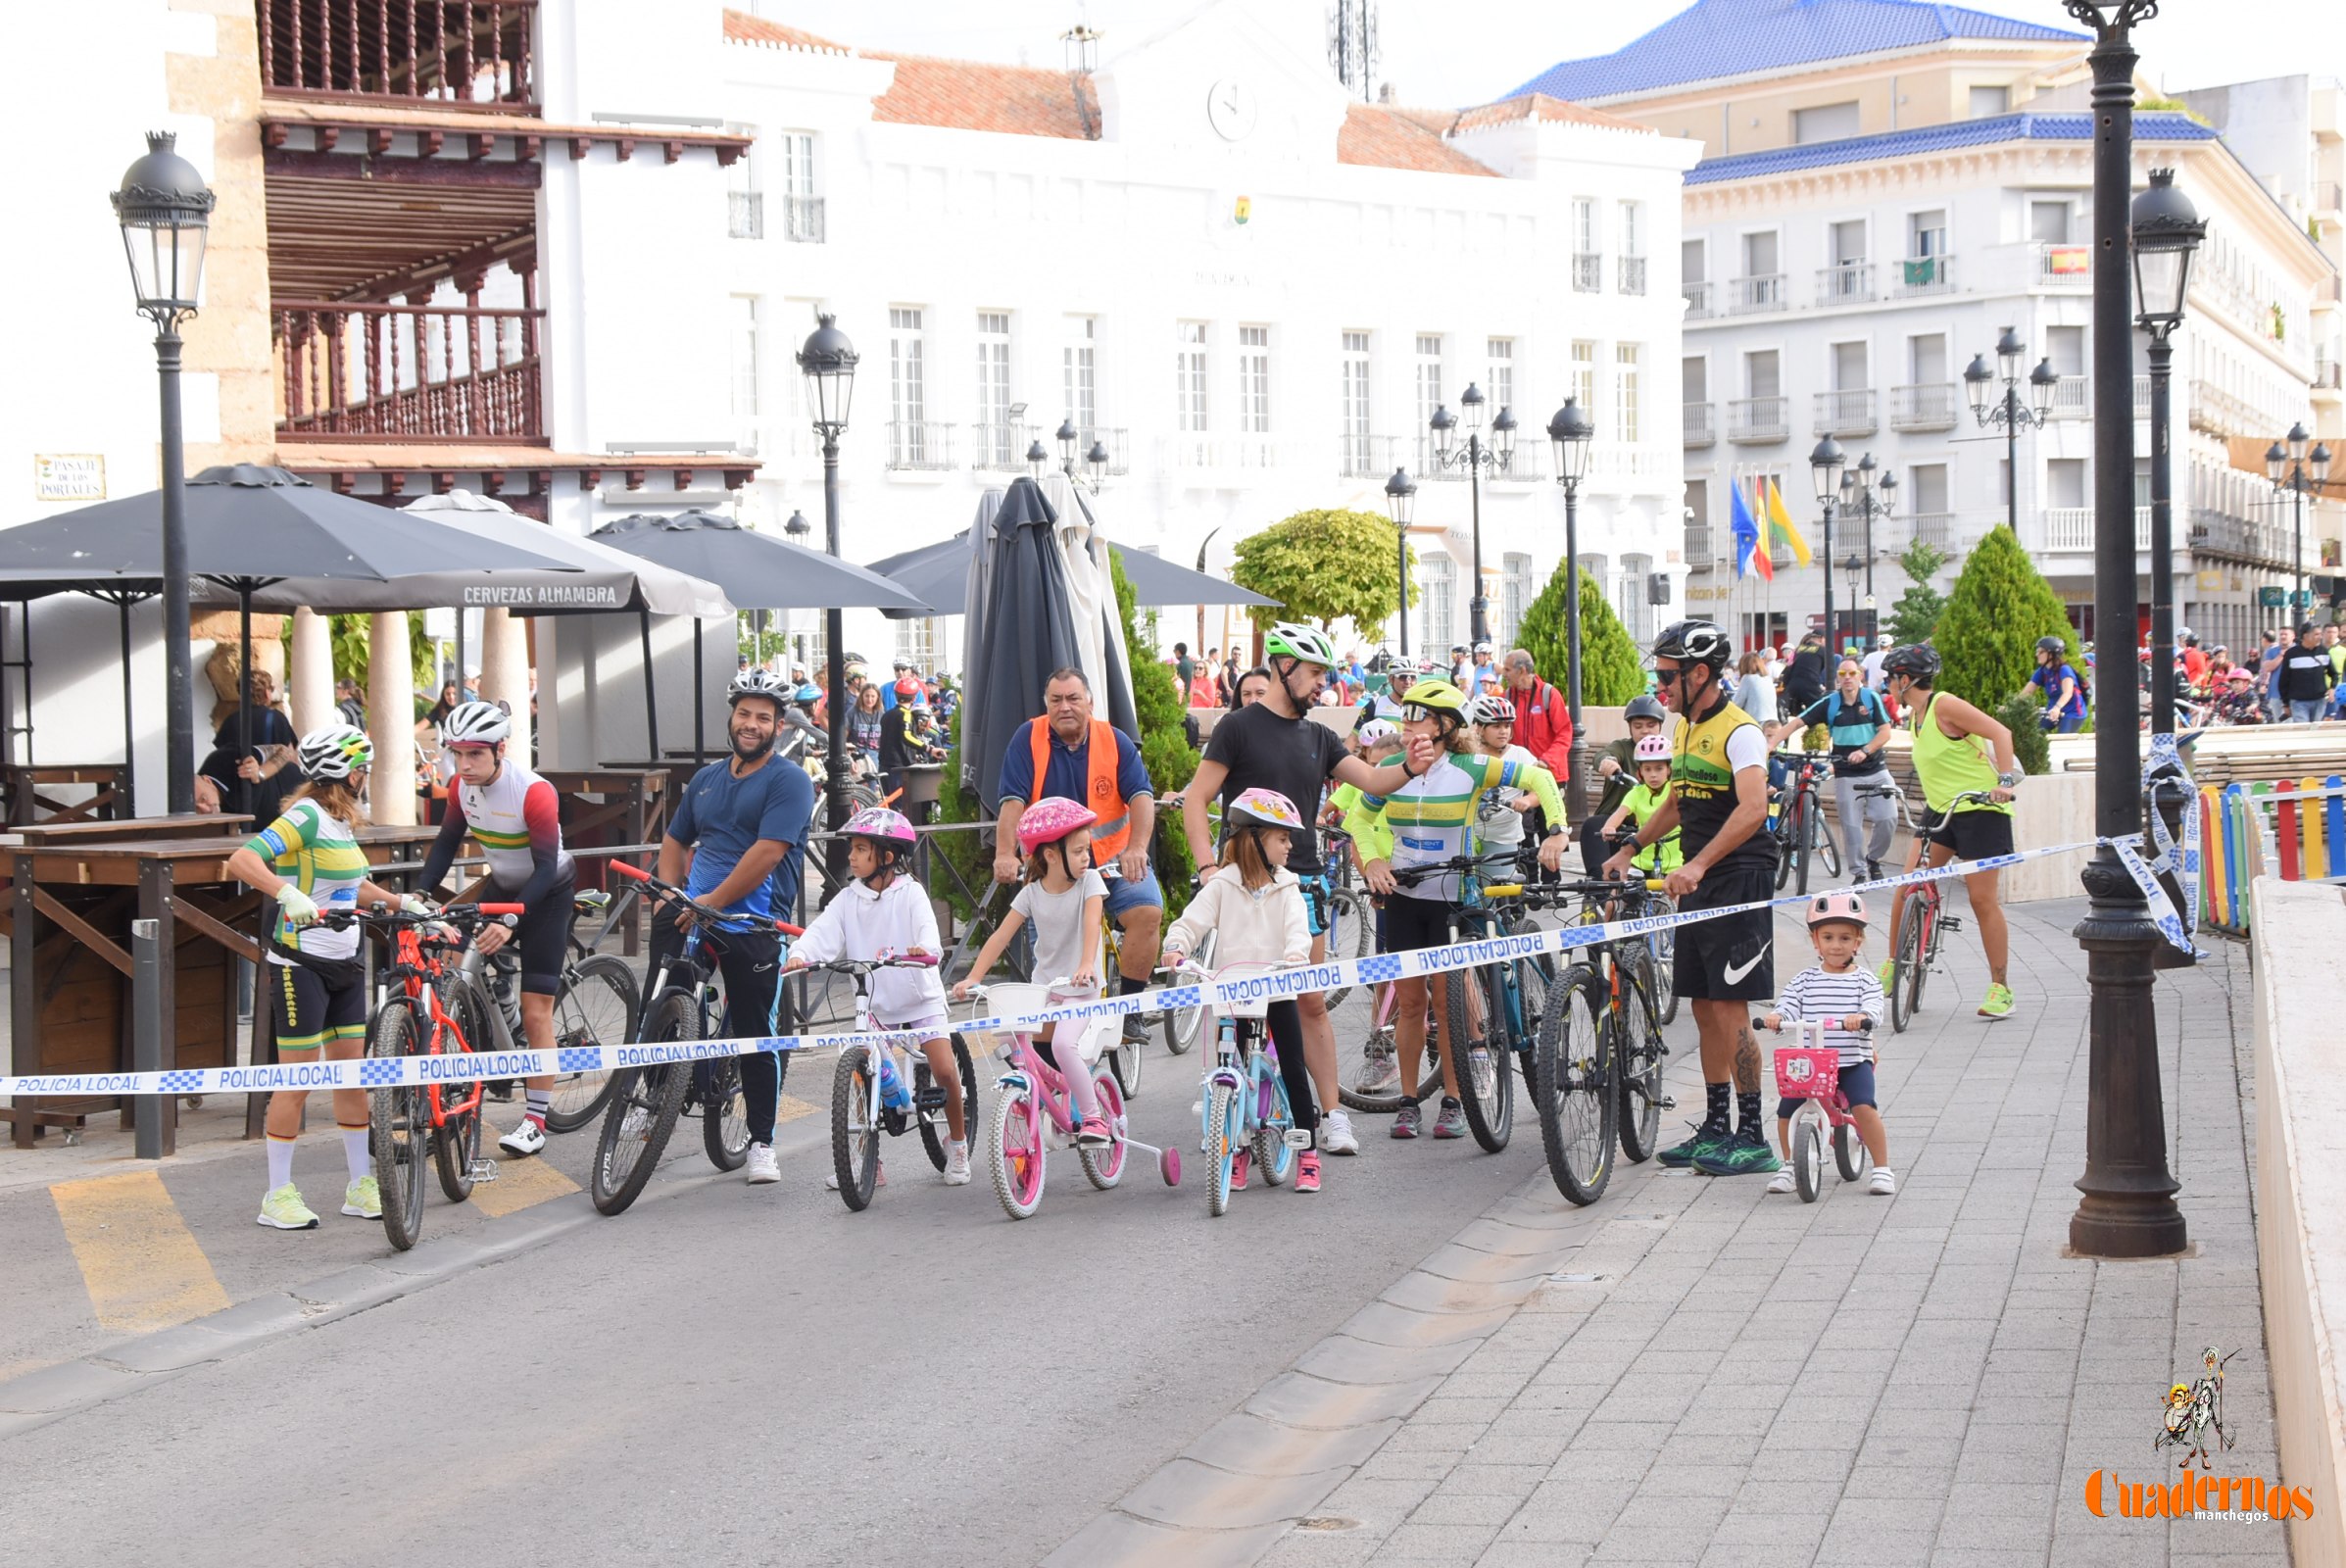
[
  {"x": 725, "y": 918},
  {"x": 1831, "y": 1025},
  {"x": 861, "y": 966}
]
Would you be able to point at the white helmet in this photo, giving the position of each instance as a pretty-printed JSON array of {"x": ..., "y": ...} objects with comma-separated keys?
[
  {"x": 476, "y": 723},
  {"x": 1377, "y": 731},
  {"x": 756, "y": 681},
  {"x": 335, "y": 751},
  {"x": 1490, "y": 709}
]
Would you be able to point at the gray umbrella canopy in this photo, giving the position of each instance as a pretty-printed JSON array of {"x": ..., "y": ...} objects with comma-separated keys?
[{"x": 941, "y": 574}]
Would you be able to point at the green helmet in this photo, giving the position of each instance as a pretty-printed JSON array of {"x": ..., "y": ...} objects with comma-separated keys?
[{"x": 1291, "y": 639}]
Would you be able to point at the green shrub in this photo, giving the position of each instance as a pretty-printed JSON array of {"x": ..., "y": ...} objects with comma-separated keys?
[
  {"x": 1915, "y": 617},
  {"x": 1612, "y": 668},
  {"x": 2000, "y": 606},
  {"x": 2031, "y": 746}
]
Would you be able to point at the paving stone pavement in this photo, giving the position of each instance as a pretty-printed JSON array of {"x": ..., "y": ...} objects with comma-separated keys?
[{"x": 1692, "y": 1371}]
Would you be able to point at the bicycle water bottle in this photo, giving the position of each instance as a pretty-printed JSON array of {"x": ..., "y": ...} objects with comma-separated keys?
[{"x": 893, "y": 1092}]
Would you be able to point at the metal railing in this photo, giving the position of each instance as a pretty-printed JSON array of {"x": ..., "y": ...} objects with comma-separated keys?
[
  {"x": 1750, "y": 296},
  {"x": 1367, "y": 455},
  {"x": 462, "y": 54},
  {"x": 919, "y": 444},
  {"x": 2217, "y": 411},
  {"x": 1851, "y": 412},
  {"x": 1931, "y": 528},
  {"x": 1698, "y": 299},
  {"x": 1924, "y": 406},
  {"x": 2216, "y": 533},
  {"x": 1846, "y": 283},
  {"x": 1630, "y": 274},
  {"x": 999, "y": 447},
  {"x": 2325, "y": 374},
  {"x": 1919, "y": 275},
  {"x": 1753, "y": 420},
  {"x": 745, "y": 215},
  {"x": 1701, "y": 426},
  {"x": 1587, "y": 273},
  {"x": 2327, "y": 196},
  {"x": 2064, "y": 267},
  {"x": 802, "y": 219},
  {"x": 408, "y": 373},
  {"x": 1701, "y": 548},
  {"x": 2071, "y": 528},
  {"x": 2072, "y": 398}
]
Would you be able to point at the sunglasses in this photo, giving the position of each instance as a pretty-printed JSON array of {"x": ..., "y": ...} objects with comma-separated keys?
[{"x": 1414, "y": 710}]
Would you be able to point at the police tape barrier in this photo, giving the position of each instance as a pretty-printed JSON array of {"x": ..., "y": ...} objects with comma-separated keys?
[{"x": 387, "y": 1072}]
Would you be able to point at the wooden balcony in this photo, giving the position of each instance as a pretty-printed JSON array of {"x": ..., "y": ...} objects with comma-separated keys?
[
  {"x": 405, "y": 374},
  {"x": 471, "y": 55}
]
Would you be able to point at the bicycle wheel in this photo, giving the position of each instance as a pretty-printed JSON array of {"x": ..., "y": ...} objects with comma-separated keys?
[
  {"x": 1782, "y": 827},
  {"x": 1221, "y": 1145},
  {"x": 1927, "y": 939},
  {"x": 1803, "y": 844},
  {"x": 724, "y": 1115},
  {"x": 1273, "y": 1159},
  {"x": 1907, "y": 961},
  {"x": 1663, "y": 946},
  {"x": 1573, "y": 1086},
  {"x": 1808, "y": 1155},
  {"x": 1352, "y": 927},
  {"x": 1533, "y": 978},
  {"x": 595, "y": 1005},
  {"x": 1828, "y": 842},
  {"x": 1849, "y": 1152},
  {"x": 1124, "y": 1060},
  {"x": 641, "y": 1112},
  {"x": 1104, "y": 1167},
  {"x": 1016, "y": 1153},
  {"x": 1183, "y": 1023},
  {"x": 1641, "y": 1058},
  {"x": 399, "y": 1128},
  {"x": 1486, "y": 1088},
  {"x": 933, "y": 1133},
  {"x": 855, "y": 1139},
  {"x": 456, "y": 1143}
]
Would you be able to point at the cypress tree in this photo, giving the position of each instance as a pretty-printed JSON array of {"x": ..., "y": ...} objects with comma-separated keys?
[
  {"x": 1612, "y": 669},
  {"x": 2000, "y": 606}
]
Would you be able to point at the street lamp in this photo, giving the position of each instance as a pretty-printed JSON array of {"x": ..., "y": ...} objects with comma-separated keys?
[
  {"x": 1827, "y": 463},
  {"x": 1868, "y": 498},
  {"x": 1036, "y": 458},
  {"x": 1988, "y": 410},
  {"x": 1572, "y": 435},
  {"x": 164, "y": 209},
  {"x": 1094, "y": 461},
  {"x": 1498, "y": 453},
  {"x": 2127, "y": 1208},
  {"x": 1400, "y": 499},
  {"x": 2295, "y": 469},
  {"x": 828, "y": 361},
  {"x": 2166, "y": 230}
]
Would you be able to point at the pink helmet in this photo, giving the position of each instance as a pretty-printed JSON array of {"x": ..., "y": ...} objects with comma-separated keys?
[
  {"x": 1052, "y": 819},
  {"x": 887, "y": 826},
  {"x": 1826, "y": 907},
  {"x": 1653, "y": 747},
  {"x": 1261, "y": 807}
]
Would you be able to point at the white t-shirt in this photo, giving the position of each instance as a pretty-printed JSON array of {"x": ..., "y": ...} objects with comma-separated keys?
[
  {"x": 1058, "y": 922},
  {"x": 1746, "y": 747},
  {"x": 1499, "y": 825},
  {"x": 1874, "y": 678}
]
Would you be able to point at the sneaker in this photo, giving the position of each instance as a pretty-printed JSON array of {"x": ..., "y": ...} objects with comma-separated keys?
[
  {"x": 1745, "y": 1153},
  {"x": 1405, "y": 1120},
  {"x": 1882, "y": 1184},
  {"x": 1136, "y": 1029},
  {"x": 763, "y": 1167},
  {"x": 1677, "y": 1156},
  {"x": 880, "y": 1177},
  {"x": 284, "y": 1210},
  {"x": 1872, "y": 870},
  {"x": 1237, "y": 1170},
  {"x": 1998, "y": 1002},
  {"x": 956, "y": 1165},
  {"x": 1451, "y": 1122},
  {"x": 1307, "y": 1171},
  {"x": 1780, "y": 1182},
  {"x": 528, "y": 1139},
  {"x": 362, "y": 1199},
  {"x": 1095, "y": 1133},
  {"x": 1337, "y": 1135},
  {"x": 1380, "y": 1074}
]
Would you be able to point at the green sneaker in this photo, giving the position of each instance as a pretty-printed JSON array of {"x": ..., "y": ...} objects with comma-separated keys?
[
  {"x": 1678, "y": 1156},
  {"x": 284, "y": 1210},
  {"x": 362, "y": 1199},
  {"x": 1998, "y": 1003},
  {"x": 1747, "y": 1153}
]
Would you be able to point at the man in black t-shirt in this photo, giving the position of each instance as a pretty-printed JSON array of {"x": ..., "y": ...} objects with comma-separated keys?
[{"x": 1804, "y": 679}]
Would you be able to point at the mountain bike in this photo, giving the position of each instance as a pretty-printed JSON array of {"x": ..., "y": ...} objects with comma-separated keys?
[
  {"x": 1801, "y": 836},
  {"x": 1601, "y": 1053},
  {"x": 1350, "y": 924},
  {"x": 597, "y": 1003},
  {"x": 1924, "y": 923},
  {"x": 1486, "y": 1020},
  {"x": 871, "y": 1093},
  {"x": 1243, "y": 1101}
]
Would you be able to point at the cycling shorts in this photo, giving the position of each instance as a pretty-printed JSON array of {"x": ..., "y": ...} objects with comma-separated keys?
[
  {"x": 1976, "y": 835},
  {"x": 542, "y": 937},
  {"x": 308, "y": 1014},
  {"x": 1414, "y": 923}
]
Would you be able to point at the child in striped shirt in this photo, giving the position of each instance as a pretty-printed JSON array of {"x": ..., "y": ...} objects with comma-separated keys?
[{"x": 1839, "y": 986}]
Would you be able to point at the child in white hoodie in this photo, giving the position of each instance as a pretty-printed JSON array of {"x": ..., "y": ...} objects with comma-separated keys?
[
  {"x": 1254, "y": 906},
  {"x": 884, "y": 913}
]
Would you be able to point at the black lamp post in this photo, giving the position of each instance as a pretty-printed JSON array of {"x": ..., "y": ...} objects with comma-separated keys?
[
  {"x": 2295, "y": 469},
  {"x": 2128, "y": 1205},
  {"x": 1476, "y": 455},
  {"x": 828, "y": 361},
  {"x": 164, "y": 209},
  {"x": 1572, "y": 435},
  {"x": 1093, "y": 465},
  {"x": 1869, "y": 498},
  {"x": 1979, "y": 383},
  {"x": 1827, "y": 463},
  {"x": 1400, "y": 499},
  {"x": 2166, "y": 230}
]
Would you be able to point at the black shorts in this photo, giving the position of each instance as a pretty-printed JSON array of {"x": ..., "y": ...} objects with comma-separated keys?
[
  {"x": 541, "y": 938},
  {"x": 308, "y": 1014},
  {"x": 1976, "y": 835},
  {"x": 1414, "y": 923},
  {"x": 1730, "y": 959}
]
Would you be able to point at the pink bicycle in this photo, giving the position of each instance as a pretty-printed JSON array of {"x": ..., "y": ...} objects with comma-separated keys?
[
  {"x": 1035, "y": 1112},
  {"x": 1811, "y": 1073}
]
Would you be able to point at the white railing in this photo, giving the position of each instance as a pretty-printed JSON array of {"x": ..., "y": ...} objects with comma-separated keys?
[
  {"x": 2072, "y": 398},
  {"x": 1587, "y": 273},
  {"x": 1846, "y": 413},
  {"x": 2064, "y": 266},
  {"x": 1701, "y": 429},
  {"x": 1759, "y": 418},
  {"x": 2071, "y": 528},
  {"x": 1698, "y": 299},
  {"x": 1630, "y": 274},
  {"x": 1621, "y": 461},
  {"x": 1918, "y": 276},
  {"x": 1846, "y": 283},
  {"x": 1751, "y": 296},
  {"x": 1924, "y": 406}
]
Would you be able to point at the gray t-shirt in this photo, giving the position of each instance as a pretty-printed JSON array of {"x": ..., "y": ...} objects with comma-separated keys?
[{"x": 1058, "y": 922}]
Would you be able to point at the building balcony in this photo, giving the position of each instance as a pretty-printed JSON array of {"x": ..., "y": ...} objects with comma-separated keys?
[
  {"x": 1632, "y": 460},
  {"x": 1703, "y": 545},
  {"x": 1753, "y": 420},
  {"x": 1701, "y": 426},
  {"x": 2219, "y": 533},
  {"x": 745, "y": 215},
  {"x": 424, "y": 375},
  {"x": 1698, "y": 299},
  {"x": 1000, "y": 446},
  {"x": 1847, "y": 283},
  {"x": 2328, "y": 202},
  {"x": 2070, "y": 528},
  {"x": 2326, "y": 374},
  {"x": 1935, "y": 528},
  {"x": 2072, "y": 398},
  {"x": 1756, "y": 296},
  {"x": 1850, "y": 413},
  {"x": 2215, "y": 411},
  {"x": 802, "y": 219},
  {"x": 2064, "y": 267},
  {"x": 1587, "y": 273},
  {"x": 1924, "y": 406},
  {"x": 1241, "y": 452},
  {"x": 467, "y": 55},
  {"x": 918, "y": 446},
  {"x": 1920, "y": 275},
  {"x": 1361, "y": 456},
  {"x": 1629, "y": 272}
]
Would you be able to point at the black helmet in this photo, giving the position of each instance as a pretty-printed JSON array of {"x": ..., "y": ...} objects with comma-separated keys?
[
  {"x": 1642, "y": 706},
  {"x": 1694, "y": 642},
  {"x": 1915, "y": 660},
  {"x": 2051, "y": 645}
]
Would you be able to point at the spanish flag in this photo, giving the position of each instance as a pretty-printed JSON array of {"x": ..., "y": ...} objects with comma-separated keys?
[{"x": 1780, "y": 521}]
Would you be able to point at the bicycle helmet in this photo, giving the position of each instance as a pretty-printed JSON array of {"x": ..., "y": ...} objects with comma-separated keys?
[
  {"x": 2239, "y": 677},
  {"x": 1492, "y": 709},
  {"x": 1482, "y": 647},
  {"x": 808, "y": 695},
  {"x": 1651, "y": 748},
  {"x": 1694, "y": 642},
  {"x": 1377, "y": 731},
  {"x": 335, "y": 751},
  {"x": 1052, "y": 819},
  {"x": 1294, "y": 639},
  {"x": 1645, "y": 707},
  {"x": 1402, "y": 672},
  {"x": 1259, "y": 808},
  {"x": 1915, "y": 660},
  {"x": 1437, "y": 695},
  {"x": 1827, "y": 907},
  {"x": 757, "y": 682},
  {"x": 476, "y": 724},
  {"x": 2056, "y": 647}
]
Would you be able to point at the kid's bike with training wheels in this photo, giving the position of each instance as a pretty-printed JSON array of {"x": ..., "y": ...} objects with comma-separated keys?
[
  {"x": 880, "y": 1089},
  {"x": 1811, "y": 1073},
  {"x": 1243, "y": 1103}
]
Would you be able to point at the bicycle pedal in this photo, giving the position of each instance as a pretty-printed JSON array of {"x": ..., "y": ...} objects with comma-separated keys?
[
  {"x": 483, "y": 1170},
  {"x": 929, "y": 1098},
  {"x": 1668, "y": 1103},
  {"x": 1298, "y": 1138},
  {"x": 1950, "y": 922}
]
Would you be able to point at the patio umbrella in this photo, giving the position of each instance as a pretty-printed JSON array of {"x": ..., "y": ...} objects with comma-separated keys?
[
  {"x": 758, "y": 572},
  {"x": 941, "y": 574}
]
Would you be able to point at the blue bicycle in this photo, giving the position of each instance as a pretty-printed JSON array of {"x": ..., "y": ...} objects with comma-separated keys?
[{"x": 1244, "y": 1106}]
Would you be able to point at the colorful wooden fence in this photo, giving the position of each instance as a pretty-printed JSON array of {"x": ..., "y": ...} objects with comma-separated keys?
[{"x": 2293, "y": 828}]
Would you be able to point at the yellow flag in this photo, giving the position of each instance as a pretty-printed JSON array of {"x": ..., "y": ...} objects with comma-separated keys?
[{"x": 1781, "y": 521}]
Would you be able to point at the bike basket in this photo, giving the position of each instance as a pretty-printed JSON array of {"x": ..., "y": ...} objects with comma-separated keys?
[
  {"x": 1806, "y": 1072},
  {"x": 1010, "y": 999},
  {"x": 1254, "y": 1006}
]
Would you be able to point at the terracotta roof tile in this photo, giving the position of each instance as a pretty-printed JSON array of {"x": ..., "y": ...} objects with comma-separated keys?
[
  {"x": 742, "y": 27},
  {"x": 1540, "y": 106},
  {"x": 1379, "y": 136},
  {"x": 976, "y": 95}
]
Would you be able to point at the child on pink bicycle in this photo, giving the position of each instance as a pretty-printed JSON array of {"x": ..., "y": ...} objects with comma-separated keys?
[
  {"x": 1838, "y": 988},
  {"x": 1062, "y": 900},
  {"x": 1254, "y": 906}
]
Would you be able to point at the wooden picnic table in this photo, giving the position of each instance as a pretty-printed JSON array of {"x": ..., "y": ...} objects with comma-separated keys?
[{"x": 22, "y": 802}]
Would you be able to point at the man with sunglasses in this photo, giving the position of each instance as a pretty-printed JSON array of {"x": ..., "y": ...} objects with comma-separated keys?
[{"x": 1719, "y": 804}]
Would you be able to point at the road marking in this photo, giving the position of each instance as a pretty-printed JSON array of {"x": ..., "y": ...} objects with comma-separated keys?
[
  {"x": 791, "y": 1107},
  {"x": 521, "y": 1184},
  {"x": 139, "y": 1261}
]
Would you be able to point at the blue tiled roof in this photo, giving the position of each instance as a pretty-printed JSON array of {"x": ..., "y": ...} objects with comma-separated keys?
[
  {"x": 1733, "y": 38},
  {"x": 2160, "y": 126}
]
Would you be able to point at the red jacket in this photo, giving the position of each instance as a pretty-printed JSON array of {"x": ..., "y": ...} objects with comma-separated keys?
[{"x": 1542, "y": 727}]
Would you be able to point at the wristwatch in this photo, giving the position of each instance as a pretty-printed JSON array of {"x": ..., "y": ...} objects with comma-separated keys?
[{"x": 2011, "y": 780}]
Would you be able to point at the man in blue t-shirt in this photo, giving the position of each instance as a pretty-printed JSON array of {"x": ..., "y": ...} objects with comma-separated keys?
[
  {"x": 2064, "y": 693},
  {"x": 1858, "y": 718},
  {"x": 737, "y": 840}
]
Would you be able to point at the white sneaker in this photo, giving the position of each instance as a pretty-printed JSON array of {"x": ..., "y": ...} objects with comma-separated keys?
[
  {"x": 956, "y": 1165},
  {"x": 1782, "y": 1181},
  {"x": 528, "y": 1139},
  {"x": 763, "y": 1166},
  {"x": 1882, "y": 1184},
  {"x": 1335, "y": 1134}
]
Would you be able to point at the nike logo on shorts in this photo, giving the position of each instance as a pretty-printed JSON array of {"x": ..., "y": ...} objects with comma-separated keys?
[{"x": 1735, "y": 973}]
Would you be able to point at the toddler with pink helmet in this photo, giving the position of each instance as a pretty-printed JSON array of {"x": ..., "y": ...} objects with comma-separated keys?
[
  {"x": 1651, "y": 757},
  {"x": 1839, "y": 986}
]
